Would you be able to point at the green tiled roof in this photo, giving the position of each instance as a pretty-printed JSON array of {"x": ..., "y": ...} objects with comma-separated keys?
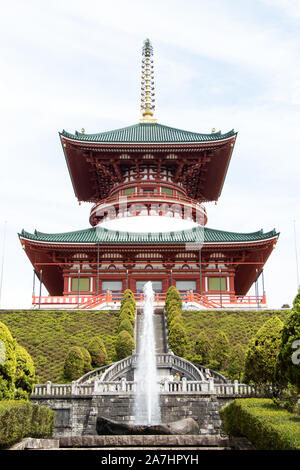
[
  {"x": 194, "y": 235},
  {"x": 148, "y": 132}
]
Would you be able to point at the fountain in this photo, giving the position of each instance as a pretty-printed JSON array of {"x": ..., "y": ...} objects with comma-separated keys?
[
  {"x": 147, "y": 413},
  {"x": 147, "y": 408}
]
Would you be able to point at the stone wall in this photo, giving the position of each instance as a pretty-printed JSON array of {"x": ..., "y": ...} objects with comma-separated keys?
[{"x": 76, "y": 416}]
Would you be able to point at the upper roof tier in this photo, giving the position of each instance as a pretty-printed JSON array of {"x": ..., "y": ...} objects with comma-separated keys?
[
  {"x": 148, "y": 133},
  {"x": 98, "y": 163}
]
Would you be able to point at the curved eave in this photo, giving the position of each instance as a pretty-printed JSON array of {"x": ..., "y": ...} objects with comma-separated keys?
[
  {"x": 159, "y": 134},
  {"x": 161, "y": 238}
]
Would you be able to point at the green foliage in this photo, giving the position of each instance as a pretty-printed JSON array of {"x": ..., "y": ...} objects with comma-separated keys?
[
  {"x": 287, "y": 365},
  {"x": 177, "y": 339},
  {"x": 239, "y": 325},
  {"x": 262, "y": 423},
  {"x": 124, "y": 345},
  {"x": 262, "y": 353},
  {"x": 127, "y": 326},
  {"x": 220, "y": 350},
  {"x": 74, "y": 363},
  {"x": 127, "y": 313},
  {"x": 97, "y": 351},
  {"x": 87, "y": 360},
  {"x": 203, "y": 348},
  {"x": 8, "y": 365},
  {"x": 125, "y": 339},
  {"x": 236, "y": 363},
  {"x": 128, "y": 297},
  {"x": 48, "y": 335},
  {"x": 25, "y": 373},
  {"x": 173, "y": 294},
  {"x": 19, "y": 419}
]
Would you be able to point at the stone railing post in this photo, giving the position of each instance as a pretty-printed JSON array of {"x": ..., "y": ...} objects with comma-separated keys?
[
  {"x": 211, "y": 385},
  {"x": 123, "y": 384},
  {"x": 236, "y": 387},
  {"x": 96, "y": 386},
  {"x": 184, "y": 388},
  {"x": 48, "y": 388},
  {"x": 74, "y": 387}
]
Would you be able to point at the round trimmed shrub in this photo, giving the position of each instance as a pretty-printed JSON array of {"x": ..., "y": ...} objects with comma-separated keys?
[
  {"x": 8, "y": 363},
  {"x": 87, "y": 360},
  {"x": 128, "y": 297},
  {"x": 98, "y": 352},
  {"x": 127, "y": 326},
  {"x": 74, "y": 363},
  {"x": 25, "y": 373},
  {"x": 126, "y": 314},
  {"x": 124, "y": 345}
]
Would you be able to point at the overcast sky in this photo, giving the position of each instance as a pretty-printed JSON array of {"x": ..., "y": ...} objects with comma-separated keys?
[{"x": 69, "y": 64}]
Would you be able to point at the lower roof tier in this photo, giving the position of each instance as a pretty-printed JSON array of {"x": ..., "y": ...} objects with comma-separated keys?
[
  {"x": 101, "y": 235},
  {"x": 109, "y": 254}
]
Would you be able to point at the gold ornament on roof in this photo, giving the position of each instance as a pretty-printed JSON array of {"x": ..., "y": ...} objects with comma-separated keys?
[{"x": 147, "y": 84}]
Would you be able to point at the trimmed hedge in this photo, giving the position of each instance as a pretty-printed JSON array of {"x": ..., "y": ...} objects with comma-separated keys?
[
  {"x": 125, "y": 340},
  {"x": 124, "y": 345},
  {"x": 177, "y": 340},
  {"x": 48, "y": 335},
  {"x": 74, "y": 363},
  {"x": 265, "y": 425},
  {"x": 20, "y": 419},
  {"x": 97, "y": 350}
]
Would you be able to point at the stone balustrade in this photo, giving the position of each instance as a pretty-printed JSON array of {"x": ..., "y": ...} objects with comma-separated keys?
[{"x": 166, "y": 386}]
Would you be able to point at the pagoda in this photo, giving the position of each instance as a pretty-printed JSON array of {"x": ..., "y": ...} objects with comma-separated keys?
[{"x": 148, "y": 184}]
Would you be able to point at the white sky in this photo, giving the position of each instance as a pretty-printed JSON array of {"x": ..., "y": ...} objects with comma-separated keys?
[{"x": 224, "y": 63}]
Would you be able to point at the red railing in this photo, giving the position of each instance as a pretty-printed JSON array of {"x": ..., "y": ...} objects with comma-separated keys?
[{"x": 209, "y": 301}]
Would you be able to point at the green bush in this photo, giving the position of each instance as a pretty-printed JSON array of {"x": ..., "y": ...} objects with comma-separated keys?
[
  {"x": 8, "y": 365},
  {"x": 262, "y": 353},
  {"x": 74, "y": 363},
  {"x": 127, "y": 312},
  {"x": 262, "y": 423},
  {"x": 20, "y": 419},
  {"x": 287, "y": 365},
  {"x": 220, "y": 350},
  {"x": 203, "y": 347},
  {"x": 236, "y": 363},
  {"x": 124, "y": 345},
  {"x": 25, "y": 373},
  {"x": 87, "y": 360},
  {"x": 173, "y": 295},
  {"x": 128, "y": 297},
  {"x": 97, "y": 350},
  {"x": 177, "y": 339},
  {"x": 127, "y": 326},
  {"x": 48, "y": 335}
]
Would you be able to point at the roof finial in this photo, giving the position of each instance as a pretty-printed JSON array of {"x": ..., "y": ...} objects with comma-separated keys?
[{"x": 147, "y": 84}]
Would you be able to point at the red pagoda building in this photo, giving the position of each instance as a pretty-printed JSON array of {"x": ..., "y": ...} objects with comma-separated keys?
[{"x": 148, "y": 184}]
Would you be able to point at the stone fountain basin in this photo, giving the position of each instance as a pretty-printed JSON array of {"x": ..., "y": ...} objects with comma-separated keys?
[{"x": 105, "y": 427}]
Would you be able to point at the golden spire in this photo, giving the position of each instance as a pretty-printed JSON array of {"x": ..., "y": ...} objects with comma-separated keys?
[{"x": 147, "y": 84}]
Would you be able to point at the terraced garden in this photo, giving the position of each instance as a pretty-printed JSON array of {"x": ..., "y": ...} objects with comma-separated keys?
[
  {"x": 47, "y": 335},
  {"x": 239, "y": 326}
]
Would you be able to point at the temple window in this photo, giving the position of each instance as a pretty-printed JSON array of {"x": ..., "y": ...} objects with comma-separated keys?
[
  {"x": 217, "y": 284},
  {"x": 186, "y": 285},
  {"x": 84, "y": 284}
]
